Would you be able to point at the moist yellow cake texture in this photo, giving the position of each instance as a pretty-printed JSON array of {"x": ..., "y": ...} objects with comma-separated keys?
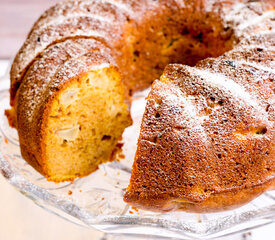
[
  {"x": 72, "y": 80},
  {"x": 85, "y": 122}
]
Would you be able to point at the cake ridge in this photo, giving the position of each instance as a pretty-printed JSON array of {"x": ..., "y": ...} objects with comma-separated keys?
[
  {"x": 68, "y": 44},
  {"x": 221, "y": 82},
  {"x": 68, "y": 7},
  {"x": 258, "y": 66},
  {"x": 256, "y": 20},
  {"x": 22, "y": 75}
]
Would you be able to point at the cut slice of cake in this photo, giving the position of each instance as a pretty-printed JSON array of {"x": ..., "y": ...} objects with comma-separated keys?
[{"x": 71, "y": 110}]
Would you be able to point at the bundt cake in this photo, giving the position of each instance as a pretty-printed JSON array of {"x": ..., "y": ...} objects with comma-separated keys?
[{"x": 207, "y": 136}]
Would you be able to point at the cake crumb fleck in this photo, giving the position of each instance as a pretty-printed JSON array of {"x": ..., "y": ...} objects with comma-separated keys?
[
  {"x": 70, "y": 192},
  {"x": 121, "y": 155},
  {"x": 134, "y": 208}
]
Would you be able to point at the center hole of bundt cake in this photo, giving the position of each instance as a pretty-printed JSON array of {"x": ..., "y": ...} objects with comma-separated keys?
[
  {"x": 85, "y": 123},
  {"x": 150, "y": 46}
]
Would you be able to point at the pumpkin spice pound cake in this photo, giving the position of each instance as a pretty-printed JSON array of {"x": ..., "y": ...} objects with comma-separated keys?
[{"x": 208, "y": 131}]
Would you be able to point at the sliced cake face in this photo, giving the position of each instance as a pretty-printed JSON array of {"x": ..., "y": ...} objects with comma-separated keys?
[
  {"x": 206, "y": 141},
  {"x": 84, "y": 123}
]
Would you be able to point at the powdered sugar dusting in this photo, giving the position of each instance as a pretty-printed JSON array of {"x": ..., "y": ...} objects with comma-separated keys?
[
  {"x": 61, "y": 19},
  {"x": 121, "y": 5},
  {"x": 47, "y": 67},
  {"x": 258, "y": 66},
  {"x": 228, "y": 86},
  {"x": 92, "y": 18},
  {"x": 190, "y": 112},
  {"x": 100, "y": 66},
  {"x": 256, "y": 20}
]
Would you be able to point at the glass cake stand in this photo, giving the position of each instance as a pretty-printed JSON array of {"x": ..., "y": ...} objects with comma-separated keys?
[{"x": 96, "y": 201}]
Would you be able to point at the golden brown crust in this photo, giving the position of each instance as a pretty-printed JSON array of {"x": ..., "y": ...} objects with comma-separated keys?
[
  {"x": 216, "y": 202},
  {"x": 208, "y": 134}
]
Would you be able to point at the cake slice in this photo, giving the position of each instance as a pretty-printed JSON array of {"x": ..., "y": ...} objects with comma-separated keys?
[{"x": 71, "y": 110}]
